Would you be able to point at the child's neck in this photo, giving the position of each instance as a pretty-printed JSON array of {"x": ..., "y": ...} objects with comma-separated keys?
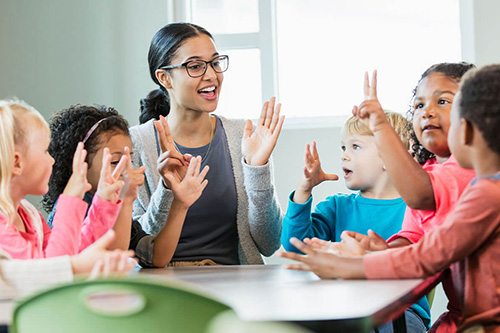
[
  {"x": 442, "y": 159},
  {"x": 384, "y": 189}
]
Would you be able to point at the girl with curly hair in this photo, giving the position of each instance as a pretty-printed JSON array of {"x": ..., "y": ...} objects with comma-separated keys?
[{"x": 103, "y": 128}]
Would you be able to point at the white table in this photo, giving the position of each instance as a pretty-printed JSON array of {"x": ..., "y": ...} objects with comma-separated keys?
[{"x": 272, "y": 293}]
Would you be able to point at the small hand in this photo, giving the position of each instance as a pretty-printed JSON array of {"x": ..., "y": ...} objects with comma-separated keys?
[
  {"x": 85, "y": 261},
  {"x": 370, "y": 243},
  {"x": 190, "y": 188},
  {"x": 77, "y": 184},
  {"x": 258, "y": 146},
  {"x": 114, "y": 264},
  {"x": 313, "y": 175},
  {"x": 133, "y": 178},
  {"x": 170, "y": 160},
  {"x": 321, "y": 263},
  {"x": 110, "y": 185},
  {"x": 370, "y": 111}
]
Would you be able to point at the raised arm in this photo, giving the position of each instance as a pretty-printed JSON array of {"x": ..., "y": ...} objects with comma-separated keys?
[{"x": 410, "y": 179}]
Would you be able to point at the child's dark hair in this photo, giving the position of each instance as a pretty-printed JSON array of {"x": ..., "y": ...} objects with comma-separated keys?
[
  {"x": 480, "y": 102},
  {"x": 70, "y": 126},
  {"x": 163, "y": 48},
  {"x": 454, "y": 71}
]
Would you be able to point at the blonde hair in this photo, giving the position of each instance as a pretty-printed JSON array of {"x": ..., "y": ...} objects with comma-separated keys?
[
  {"x": 400, "y": 124},
  {"x": 13, "y": 134}
]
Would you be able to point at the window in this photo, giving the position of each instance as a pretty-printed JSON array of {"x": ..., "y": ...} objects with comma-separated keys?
[{"x": 313, "y": 54}]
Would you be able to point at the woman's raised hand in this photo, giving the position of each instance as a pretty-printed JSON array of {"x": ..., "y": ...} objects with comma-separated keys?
[
  {"x": 110, "y": 185},
  {"x": 77, "y": 184},
  {"x": 258, "y": 146},
  {"x": 170, "y": 160},
  {"x": 370, "y": 111},
  {"x": 189, "y": 189}
]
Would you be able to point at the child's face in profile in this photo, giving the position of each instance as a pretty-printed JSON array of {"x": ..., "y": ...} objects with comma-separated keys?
[
  {"x": 37, "y": 162},
  {"x": 455, "y": 136},
  {"x": 361, "y": 163},
  {"x": 116, "y": 144},
  {"x": 432, "y": 105}
]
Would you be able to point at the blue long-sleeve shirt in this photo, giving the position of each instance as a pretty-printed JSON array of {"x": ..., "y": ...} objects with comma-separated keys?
[{"x": 350, "y": 212}]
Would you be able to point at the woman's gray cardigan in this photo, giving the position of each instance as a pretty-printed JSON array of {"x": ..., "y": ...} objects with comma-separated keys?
[{"x": 259, "y": 215}]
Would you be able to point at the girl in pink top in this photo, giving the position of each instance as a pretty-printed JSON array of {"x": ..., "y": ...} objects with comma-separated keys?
[
  {"x": 25, "y": 168},
  {"x": 469, "y": 239}
]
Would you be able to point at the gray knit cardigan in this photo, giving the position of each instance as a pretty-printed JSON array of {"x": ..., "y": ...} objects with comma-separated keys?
[{"x": 259, "y": 215}]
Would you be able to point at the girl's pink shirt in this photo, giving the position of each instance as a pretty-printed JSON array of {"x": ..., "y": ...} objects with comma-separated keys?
[
  {"x": 69, "y": 235},
  {"x": 448, "y": 182}
]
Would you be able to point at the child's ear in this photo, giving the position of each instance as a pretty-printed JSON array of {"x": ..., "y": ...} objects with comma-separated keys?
[
  {"x": 164, "y": 78},
  {"x": 17, "y": 170},
  {"x": 467, "y": 132}
]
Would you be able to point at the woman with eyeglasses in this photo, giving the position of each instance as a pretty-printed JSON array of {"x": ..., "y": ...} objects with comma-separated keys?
[{"x": 238, "y": 216}]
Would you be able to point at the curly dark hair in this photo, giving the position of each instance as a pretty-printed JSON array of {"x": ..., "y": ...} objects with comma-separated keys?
[
  {"x": 69, "y": 127},
  {"x": 454, "y": 71},
  {"x": 480, "y": 102}
]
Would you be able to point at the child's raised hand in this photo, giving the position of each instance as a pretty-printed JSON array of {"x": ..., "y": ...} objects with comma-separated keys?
[
  {"x": 190, "y": 188},
  {"x": 170, "y": 160},
  {"x": 133, "y": 178},
  {"x": 258, "y": 146},
  {"x": 313, "y": 173},
  {"x": 77, "y": 184},
  {"x": 110, "y": 185},
  {"x": 370, "y": 111}
]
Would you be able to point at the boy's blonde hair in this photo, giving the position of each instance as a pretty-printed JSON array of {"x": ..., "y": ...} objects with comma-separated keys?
[
  {"x": 400, "y": 124},
  {"x": 14, "y": 116}
]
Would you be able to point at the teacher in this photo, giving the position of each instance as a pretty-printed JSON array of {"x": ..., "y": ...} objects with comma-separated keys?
[{"x": 238, "y": 216}]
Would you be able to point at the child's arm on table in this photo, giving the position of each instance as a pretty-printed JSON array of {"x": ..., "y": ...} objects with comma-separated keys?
[
  {"x": 410, "y": 179},
  {"x": 186, "y": 192}
]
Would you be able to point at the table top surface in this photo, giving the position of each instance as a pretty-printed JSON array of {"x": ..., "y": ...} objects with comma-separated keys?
[{"x": 271, "y": 292}]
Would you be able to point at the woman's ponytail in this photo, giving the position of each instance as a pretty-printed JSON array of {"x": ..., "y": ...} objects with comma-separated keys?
[{"x": 156, "y": 104}]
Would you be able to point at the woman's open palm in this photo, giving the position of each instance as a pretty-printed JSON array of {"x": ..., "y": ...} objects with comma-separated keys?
[{"x": 258, "y": 145}]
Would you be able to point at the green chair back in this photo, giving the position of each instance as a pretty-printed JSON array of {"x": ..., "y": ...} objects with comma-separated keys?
[{"x": 116, "y": 305}]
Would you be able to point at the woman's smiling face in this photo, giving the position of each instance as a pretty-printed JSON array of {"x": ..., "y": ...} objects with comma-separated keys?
[{"x": 198, "y": 93}]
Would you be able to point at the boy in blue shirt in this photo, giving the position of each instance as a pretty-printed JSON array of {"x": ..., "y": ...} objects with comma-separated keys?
[{"x": 377, "y": 205}]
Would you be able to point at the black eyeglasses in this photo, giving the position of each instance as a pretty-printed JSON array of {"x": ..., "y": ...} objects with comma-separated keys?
[{"x": 197, "y": 68}]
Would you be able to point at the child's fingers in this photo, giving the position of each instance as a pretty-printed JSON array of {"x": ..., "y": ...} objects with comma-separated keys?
[
  {"x": 97, "y": 269},
  {"x": 301, "y": 246},
  {"x": 299, "y": 267},
  {"x": 291, "y": 256},
  {"x": 192, "y": 166},
  {"x": 127, "y": 153},
  {"x": 315, "y": 151},
  {"x": 366, "y": 86},
  {"x": 122, "y": 165},
  {"x": 373, "y": 88},
  {"x": 106, "y": 167}
]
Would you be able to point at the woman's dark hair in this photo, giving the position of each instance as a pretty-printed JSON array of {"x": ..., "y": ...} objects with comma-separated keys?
[
  {"x": 454, "y": 71},
  {"x": 163, "y": 48},
  {"x": 69, "y": 127},
  {"x": 480, "y": 102}
]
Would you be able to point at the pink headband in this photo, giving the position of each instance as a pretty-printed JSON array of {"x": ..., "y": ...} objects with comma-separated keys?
[{"x": 92, "y": 129}]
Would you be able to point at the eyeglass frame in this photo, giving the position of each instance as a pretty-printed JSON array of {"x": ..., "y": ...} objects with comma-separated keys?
[{"x": 211, "y": 62}]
